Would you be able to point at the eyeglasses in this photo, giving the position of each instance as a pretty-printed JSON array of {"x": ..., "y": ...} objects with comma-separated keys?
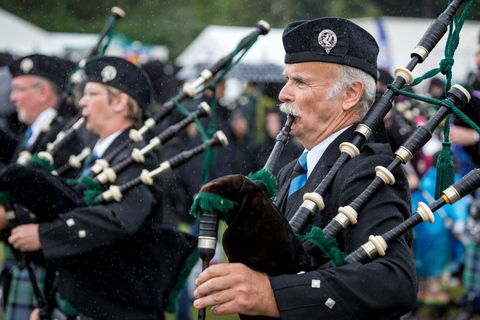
[
  {"x": 89, "y": 94},
  {"x": 16, "y": 89}
]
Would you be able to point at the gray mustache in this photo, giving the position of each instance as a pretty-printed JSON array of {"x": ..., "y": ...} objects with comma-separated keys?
[{"x": 288, "y": 108}]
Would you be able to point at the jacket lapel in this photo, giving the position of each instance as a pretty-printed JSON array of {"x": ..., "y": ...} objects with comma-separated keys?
[{"x": 321, "y": 169}]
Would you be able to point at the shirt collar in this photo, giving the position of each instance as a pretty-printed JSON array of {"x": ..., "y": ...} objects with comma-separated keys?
[
  {"x": 36, "y": 126},
  {"x": 316, "y": 153},
  {"x": 102, "y": 145}
]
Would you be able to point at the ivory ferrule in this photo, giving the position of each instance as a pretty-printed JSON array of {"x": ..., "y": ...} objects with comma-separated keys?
[
  {"x": 164, "y": 167},
  {"x": 379, "y": 243},
  {"x": 99, "y": 165},
  {"x": 47, "y": 156},
  {"x": 79, "y": 123},
  {"x": 152, "y": 144},
  {"x": 146, "y": 178},
  {"x": 310, "y": 205},
  {"x": 349, "y": 213},
  {"x": 10, "y": 215},
  {"x": 425, "y": 212},
  {"x": 207, "y": 242},
  {"x": 342, "y": 219},
  {"x": 452, "y": 194},
  {"x": 384, "y": 174},
  {"x": 138, "y": 155},
  {"x": 116, "y": 193},
  {"x": 118, "y": 12},
  {"x": 189, "y": 89},
  {"x": 421, "y": 52},
  {"x": 349, "y": 148},
  {"x": 315, "y": 198},
  {"x": 370, "y": 249},
  {"x": 364, "y": 130},
  {"x": 24, "y": 157},
  {"x": 74, "y": 162},
  {"x": 403, "y": 154},
  {"x": 405, "y": 74}
]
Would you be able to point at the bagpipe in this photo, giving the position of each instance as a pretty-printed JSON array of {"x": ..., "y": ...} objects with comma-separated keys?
[
  {"x": 138, "y": 155},
  {"x": 12, "y": 177},
  {"x": 188, "y": 90},
  {"x": 45, "y": 160},
  {"x": 377, "y": 245},
  {"x": 314, "y": 202},
  {"x": 48, "y": 196},
  {"x": 245, "y": 202}
]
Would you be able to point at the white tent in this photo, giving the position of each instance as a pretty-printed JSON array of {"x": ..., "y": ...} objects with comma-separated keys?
[
  {"x": 215, "y": 42},
  {"x": 20, "y": 37},
  {"x": 397, "y": 37}
]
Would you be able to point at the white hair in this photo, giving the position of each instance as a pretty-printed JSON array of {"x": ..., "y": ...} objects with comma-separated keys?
[{"x": 347, "y": 76}]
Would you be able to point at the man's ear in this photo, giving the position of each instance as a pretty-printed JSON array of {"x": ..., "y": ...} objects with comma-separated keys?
[
  {"x": 45, "y": 91},
  {"x": 353, "y": 94}
]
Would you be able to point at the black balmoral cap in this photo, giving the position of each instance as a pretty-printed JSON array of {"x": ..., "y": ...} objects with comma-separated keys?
[
  {"x": 39, "y": 65},
  {"x": 334, "y": 40},
  {"x": 121, "y": 74}
]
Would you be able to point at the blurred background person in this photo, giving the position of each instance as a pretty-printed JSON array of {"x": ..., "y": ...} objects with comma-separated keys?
[{"x": 438, "y": 246}]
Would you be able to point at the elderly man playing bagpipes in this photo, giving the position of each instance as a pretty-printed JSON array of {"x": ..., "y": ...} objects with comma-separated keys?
[
  {"x": 39, "y": 92},
  {"x": 331, "y": 70}
]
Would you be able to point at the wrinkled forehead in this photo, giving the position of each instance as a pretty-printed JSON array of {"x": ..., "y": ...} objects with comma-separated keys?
[{"x": 311, "y": 69}]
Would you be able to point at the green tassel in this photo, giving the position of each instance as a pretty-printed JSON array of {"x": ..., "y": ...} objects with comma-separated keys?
[
  {"x": 212, "y": 202},
  {"x": 93, "y": 190},
  {"x": 43, "y": 162},
  {"x": 445, "y": 170},
  {"x": 89, "y": 195},
  {"x": 209, "y": 158},
  {"x": 181, "y": 280},
  {"x": 67, "y": 308},
  {"x": 72, "y": 182},
  {"x": 268, "y": 179},
  {"x": 329, "y": 246},
  {"x": 6, "y": 197},
  {"x": 89, "y": 183}
]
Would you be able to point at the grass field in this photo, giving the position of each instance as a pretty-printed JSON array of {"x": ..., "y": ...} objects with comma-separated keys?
[{"x": 209, "y": 316}]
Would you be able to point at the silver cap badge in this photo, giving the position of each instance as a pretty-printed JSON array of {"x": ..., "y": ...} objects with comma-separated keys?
[
  {"x": 26, "y": 65},
  {"x": 108, "y": 73},
  {"x": 327, "y": 39}
]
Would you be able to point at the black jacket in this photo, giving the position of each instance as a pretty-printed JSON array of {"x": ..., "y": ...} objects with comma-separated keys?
[
  {"x": 108, "y": 266},
  {"x": 384, "y": 288},
  {"x": 12, "y": 145}
]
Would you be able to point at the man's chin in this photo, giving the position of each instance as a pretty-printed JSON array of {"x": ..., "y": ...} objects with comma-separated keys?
[{"x": 23, "y": 118}]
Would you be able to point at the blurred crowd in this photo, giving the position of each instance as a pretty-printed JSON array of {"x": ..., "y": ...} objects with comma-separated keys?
[{"x": 446, "y": 251}]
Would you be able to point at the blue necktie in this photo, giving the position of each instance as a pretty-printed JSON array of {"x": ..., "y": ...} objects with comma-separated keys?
[
  {"x": 89, "y": 161},
  {"x": 299, "y": 178},
  {"x": 28, "y": 134}
]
